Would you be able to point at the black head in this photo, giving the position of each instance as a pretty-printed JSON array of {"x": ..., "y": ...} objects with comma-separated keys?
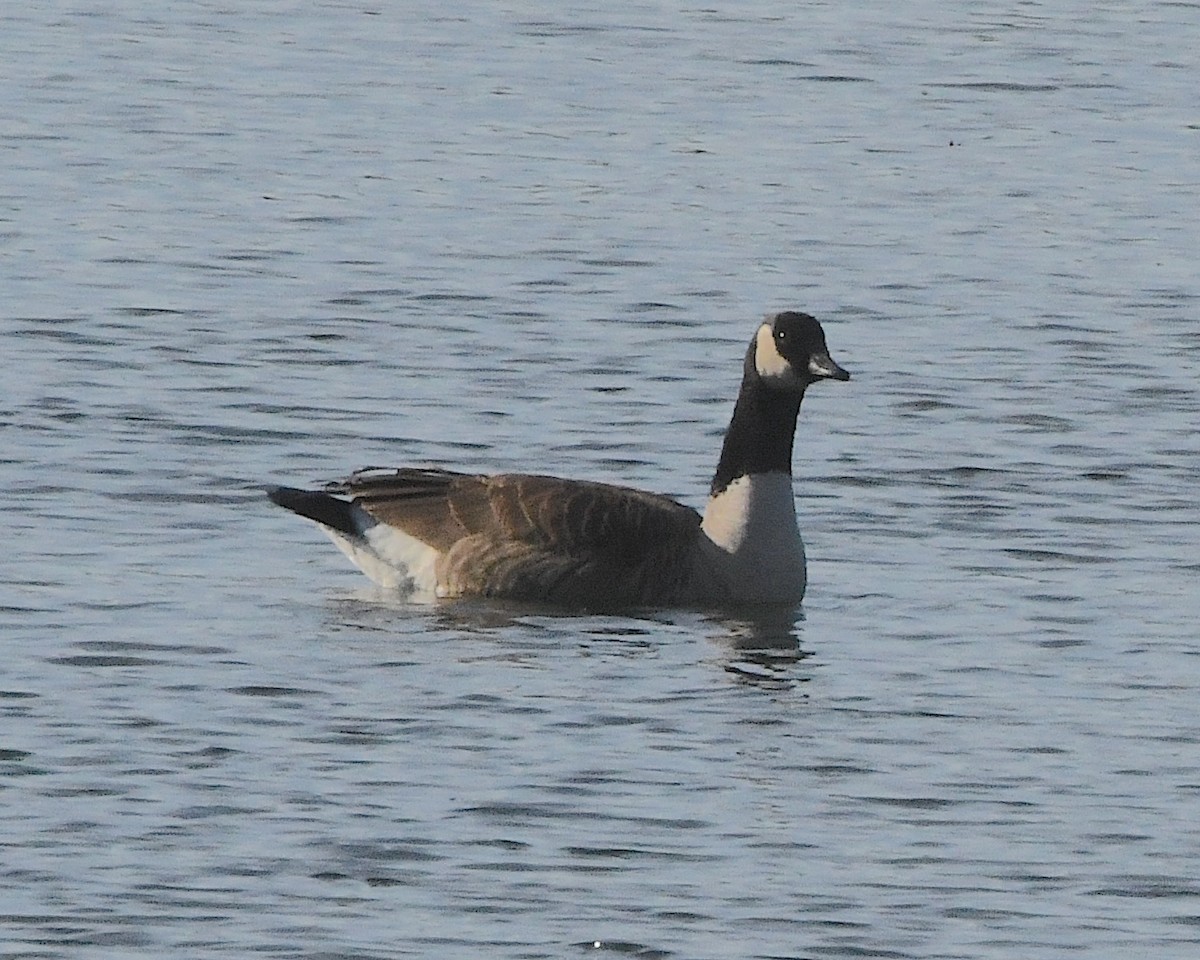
[{"x": 789, "y": 353}]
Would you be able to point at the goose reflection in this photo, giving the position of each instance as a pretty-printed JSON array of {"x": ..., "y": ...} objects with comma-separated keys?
[
  {"x": 763, "y": 643},
  {"x": 755, "y": 643}
]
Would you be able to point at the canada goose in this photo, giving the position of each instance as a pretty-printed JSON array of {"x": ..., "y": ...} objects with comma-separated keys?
[{"x": 437, "y": 533}]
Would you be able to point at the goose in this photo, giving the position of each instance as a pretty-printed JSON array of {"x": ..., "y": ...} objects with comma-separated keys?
[{"x": 434, "y": 533}]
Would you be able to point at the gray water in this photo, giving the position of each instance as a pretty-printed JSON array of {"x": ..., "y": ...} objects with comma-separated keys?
[{"x": 276, "y": 242}]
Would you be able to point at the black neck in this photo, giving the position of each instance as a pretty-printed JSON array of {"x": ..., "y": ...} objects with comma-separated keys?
[{"x": 761, "y": 432}]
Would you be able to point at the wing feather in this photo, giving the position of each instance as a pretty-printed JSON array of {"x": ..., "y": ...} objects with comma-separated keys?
[
  {"x": 530, "y": 535},
  {"x": 410, "y": 499}
]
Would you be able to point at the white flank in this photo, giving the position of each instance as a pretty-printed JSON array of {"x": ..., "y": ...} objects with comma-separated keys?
[
  {"x": 769, "y": 362},
  {"x": 392, "y": 559},
  {"x": 760, "y": 556}
]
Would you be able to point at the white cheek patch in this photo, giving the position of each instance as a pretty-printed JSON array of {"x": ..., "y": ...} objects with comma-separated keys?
[{"x": 769, "y": 362}]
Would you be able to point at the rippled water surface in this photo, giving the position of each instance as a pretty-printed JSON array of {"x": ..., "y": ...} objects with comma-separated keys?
[{"x": 277, "y": 243}]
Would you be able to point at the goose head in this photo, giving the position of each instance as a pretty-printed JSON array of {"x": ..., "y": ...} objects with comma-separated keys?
[{"x": 789, "y": 353}]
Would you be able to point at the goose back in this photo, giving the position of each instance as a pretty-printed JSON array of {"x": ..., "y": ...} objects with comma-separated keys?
[{"x": 527, "y": 536}]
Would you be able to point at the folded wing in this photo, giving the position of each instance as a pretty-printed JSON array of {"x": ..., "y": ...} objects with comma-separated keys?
[{"x": 524, "y": 535}]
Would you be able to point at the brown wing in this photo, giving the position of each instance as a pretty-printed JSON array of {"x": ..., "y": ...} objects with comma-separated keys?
[
  {"x": 581, "y": 518},
  {"x": 574, "y": 517},
  {"x": 415, "y": 500},
  {"x": 575, "y": 542}
]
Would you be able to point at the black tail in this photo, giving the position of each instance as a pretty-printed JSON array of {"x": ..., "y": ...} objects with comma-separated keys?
[{"x": 339, "y": 515}]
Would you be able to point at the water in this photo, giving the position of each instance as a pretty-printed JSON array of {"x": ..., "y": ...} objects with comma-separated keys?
[{"x": 278, "y": 244}]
